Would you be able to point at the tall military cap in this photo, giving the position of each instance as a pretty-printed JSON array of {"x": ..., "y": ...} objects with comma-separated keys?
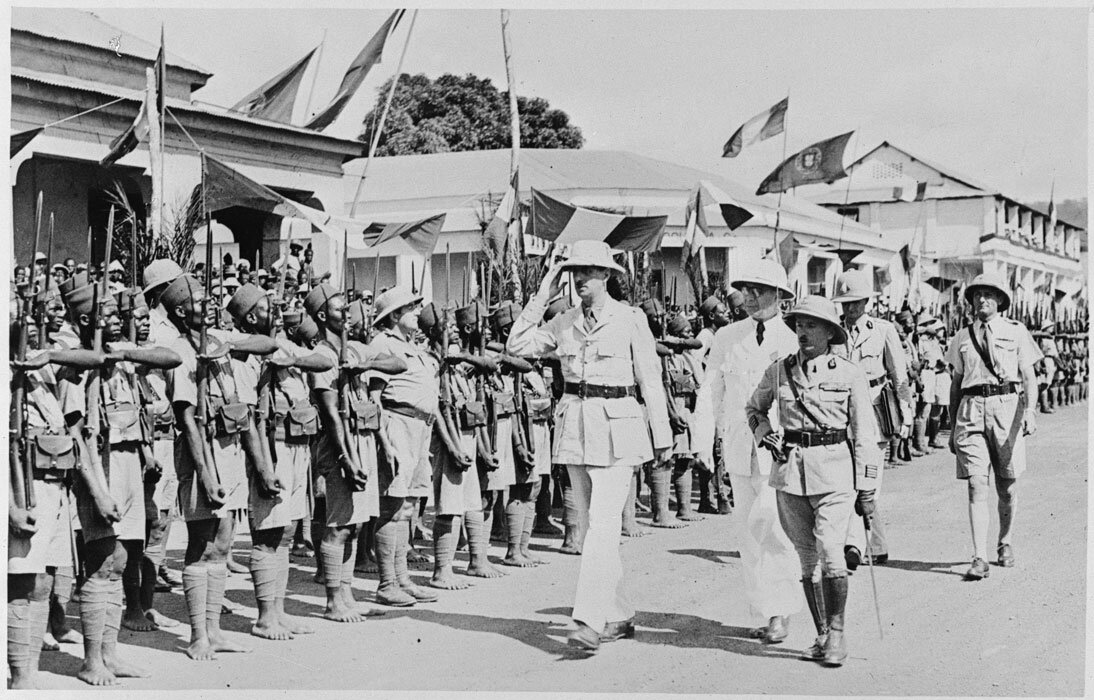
[
  {"x": 678, "y": 325},
  {"x": 244, "y": 300},
  {"x": 317, "y": 298},
  {"x": 652, "y": 307},
  {"x": 989, "y": 281},
  {"x": 821, "y": 309},
  {"x": 130, "y": 299},
  {"x": 428, "y": 318},
  {"x": 80, "y": 300},
  {"x": 79, "y": 279},
  {"x": 505, "y": 314},
  {"x": 470, "y": 314},
  {"x": 709, "y": 305},
  {"x": 182, "y": 289},
  {"x": 307, "y": 331},
  {"x": 355, "y": 311}
]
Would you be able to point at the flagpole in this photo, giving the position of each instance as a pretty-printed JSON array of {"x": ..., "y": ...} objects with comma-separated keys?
[
  {"x": 779, "y": 201},
  {"x": 162, "y": 116},
  {"x": 383, "y": 117},
  {"x": 155, "y": 150},
  {"x": 314, "y": 78},
  {"x": 847, "y": 191},
  {"x": 514, "y": 150}
]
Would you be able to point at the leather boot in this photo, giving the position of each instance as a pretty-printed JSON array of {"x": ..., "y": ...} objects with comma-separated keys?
[
  {"x": 919, "y": 437},
  {"x": 835, "y": 600},
  {"x": 933, "y": 426},
  {"x": 904, "y": 450},
  {"x": 814, "y": 597}
]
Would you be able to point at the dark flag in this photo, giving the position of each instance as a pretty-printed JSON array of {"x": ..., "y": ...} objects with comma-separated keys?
[
  {"x": 225, "y": 187},
  {"x": 274, "y": 99},
  {"x": 160, "y": 69},
  {"x": 564, "y": 223},
  {"x": 127, "y": 141},
  {"x": 768, "y": 123},
  {"x": 821, "y": 162},
  {"x": 355, "y": 74},
  {"x": 20, "y": 140},
  {"x": 419, "y": 236}
]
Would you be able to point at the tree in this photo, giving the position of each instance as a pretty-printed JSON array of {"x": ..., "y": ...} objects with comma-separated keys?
[{"x": 466, "y": 113}]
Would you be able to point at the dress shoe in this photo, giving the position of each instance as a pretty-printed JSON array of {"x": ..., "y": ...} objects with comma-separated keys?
[
  {"x": 707, "y": 509},
  {"x": 584, "y": 637},
  {"x": 815, "y": 652},
  {"x": 776, "y": 629},
  {"x": 852, "y": 556},
  {"x": 618, "y": 630},
  {"x": 1006, "y": 555},
  {"x": 978, "y": 570},
  {"x": 724, "y": 508},
  {"x": 881, "y": 558}
]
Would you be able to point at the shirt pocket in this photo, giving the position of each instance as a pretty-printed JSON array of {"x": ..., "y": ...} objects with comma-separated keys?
[
  {"x": 627, "y": 428},
  {"x": 1006, "y": 354},
  {"x": 832, "y": 400}
]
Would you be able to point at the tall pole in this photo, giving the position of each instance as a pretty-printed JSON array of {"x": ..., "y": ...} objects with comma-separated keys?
[
  {"x": 514, "y": 115},
  {"x": 314, "y": 77},
  {"x": 155, "y": 150}
]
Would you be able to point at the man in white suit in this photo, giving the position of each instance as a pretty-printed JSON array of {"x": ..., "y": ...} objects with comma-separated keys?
[{"x": 738, "y": 357}]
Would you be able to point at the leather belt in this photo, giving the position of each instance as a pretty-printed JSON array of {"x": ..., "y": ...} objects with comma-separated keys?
[
  {"x": 989, "y": 390},
  {"x": 878, "y": 381},
  {"x": 56, "y": 475},
  {"x": 598, "y": 391},
  {"x": 410, "y": 412},
  {"x": 810, "y": 438}
]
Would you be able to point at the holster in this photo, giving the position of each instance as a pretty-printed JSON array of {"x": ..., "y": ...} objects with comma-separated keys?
[
  {"x": 887, "y": 411},
  {"x": 539, "y": 410}
]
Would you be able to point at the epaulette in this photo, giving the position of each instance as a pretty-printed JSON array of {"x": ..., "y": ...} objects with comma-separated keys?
[
  {"x": 869, "y": 324},
  {"x": 832, "y": 363},
  {"x": 791, "y": 360}
]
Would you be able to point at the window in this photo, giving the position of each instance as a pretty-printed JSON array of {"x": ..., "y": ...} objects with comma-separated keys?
[
  {"x": 849, "y": 212},
  {"x": 815, "y": 272}
]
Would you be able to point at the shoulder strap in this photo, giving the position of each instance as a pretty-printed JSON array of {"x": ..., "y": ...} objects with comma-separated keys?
[
  {"x": 983, "y": 353},
  {"x": 797, "y": 395}
]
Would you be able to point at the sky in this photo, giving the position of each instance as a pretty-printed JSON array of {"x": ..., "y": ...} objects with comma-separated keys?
[{"x": 997, "y": 94}]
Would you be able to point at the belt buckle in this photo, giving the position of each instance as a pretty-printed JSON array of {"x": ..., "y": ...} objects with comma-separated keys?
[
  {"x": 582, "y": 390},
  {"x": 806, "y": 439}
]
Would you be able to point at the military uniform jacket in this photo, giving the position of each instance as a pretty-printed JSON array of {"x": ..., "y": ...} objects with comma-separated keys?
[
  {"x": 618, "y": 351},
  {"x": 836, "y": 392},
  {"x": 874, "y": 345}
]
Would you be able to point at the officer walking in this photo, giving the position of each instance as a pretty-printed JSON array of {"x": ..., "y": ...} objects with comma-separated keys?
[
  {"x": 606, "y": 349},
  {"x": 990, "y": 414},
  {"x": 874, "y": 345},
  {"x": 826, "y": 460}
]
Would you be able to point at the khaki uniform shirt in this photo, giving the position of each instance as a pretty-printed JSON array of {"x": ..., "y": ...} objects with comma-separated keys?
[
  {"x": 1012, "y": 350},
  {"x": 836, "y": 392},
  {"x": 874, "y": 345},
  {"x": 420, "y": 385},
  {"x": 618, "y": 351}
]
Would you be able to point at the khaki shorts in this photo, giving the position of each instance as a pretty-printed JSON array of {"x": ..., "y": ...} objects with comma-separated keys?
[
  {"x": 292, "y": 469},
  {"x": 454, "y": 492},
  {"x": 228, "y": 454},
  {"x": 410, "y": 441},
  {"x": 125, "y": 479},
  {"x": 51, "y": 544},
  {"x": 988, "y": 435},
  {"x": 344, "y": 505},
  {"x": 164, "y": 494}
]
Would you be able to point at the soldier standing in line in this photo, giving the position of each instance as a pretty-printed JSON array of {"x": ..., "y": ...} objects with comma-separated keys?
[
  {"x": 607, "y": 354},
  {"x": 738, "y": 358},
  {"x": 992, "y": 410},
  {"x": 713, "y": 497},
  {"x": 125, "y": 455},
  {"x": 346, "y": 454},
  {"x": 683, "y": 374},
  {"x": 873, "y": 344},
  {"x": 826, "y": 460},
  {"x": 43, "y": 460}
]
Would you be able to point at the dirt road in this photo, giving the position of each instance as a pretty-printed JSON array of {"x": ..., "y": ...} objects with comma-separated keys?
[{"x": 1019, "y": 632}]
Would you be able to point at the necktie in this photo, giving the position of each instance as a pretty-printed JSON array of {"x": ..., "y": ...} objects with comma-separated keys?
[
  {"x": 985, "y": 338},
  {"x": 590, "y": 318},
  {"x": 759, "y": 332}
]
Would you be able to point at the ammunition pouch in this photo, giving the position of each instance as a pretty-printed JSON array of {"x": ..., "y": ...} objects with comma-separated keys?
[
  {"x": 54, "y": 453},
  {"x": 231, "y": 418},
  {"x": 472, "y": 415},
  {"x": 505, "y": 403},
  {"x": 539, "y": 410},
  {"x": 124, "y": 420},
  {"x": 682, "y": 382},
  {"x": 301, "y": 421},
  {"x": 366, "y": 414}
]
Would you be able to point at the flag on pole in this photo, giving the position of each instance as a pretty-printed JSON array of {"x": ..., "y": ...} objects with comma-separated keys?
[
  {"x": 821, "y": 162},
  {"x": 785, "y": 252},
  {"x": 160, "y": 69},
  {"x": 911, "y": 191},
  {"x": 764, "y": 125},
  {"x": 355, "y": 74},
  {"x": 419, "y": 237},
  {"x": 19, "y": 141},
  {"x": 564, "y": 223},
  {"x": 225, "y": 187},
  {"x": 1052, "y": 215},
  {"x": 127, "y": 141},
  {"x": 733, "y": 212},
  {"x": 695, "y": 233},
  {"x": 274, "y": 99},
  {"x": 508, "y": 211}
]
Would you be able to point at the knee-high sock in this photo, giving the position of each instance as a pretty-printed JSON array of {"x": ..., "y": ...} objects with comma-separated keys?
[
  {"x": 659, "y": 492},
  {"x": 478, "y": 538},
  {"x": 514, "y": 519},
  {"x": 445, "y": 531},
  {"x": 264, "y": 574},
  {"x": 349, "y": 559},
  {"x": 282, "y": 557},
  {"x": 113, "y": 616},
  {"x": 218, "y": 579},
  {"x": 93, "y": 602},
  {"x": 195, "y": 586},
  {"x": 402, "y": 547},
  {"x": 63, "y": 580},
  {"x": 19, "y": 624},
  {"x": 681, "y": 483},
  {"x": 388, "y": 534},
  {"x": 529, "y": 524},
  {"x": 331, "y": 553},
  {"x": 569, "y": 507}
]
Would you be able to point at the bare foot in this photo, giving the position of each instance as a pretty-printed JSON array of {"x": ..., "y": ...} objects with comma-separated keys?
[
  {"x": 484, "y": 570},
  {"x": 689, "y": 517},
  {"x": 270, "y": 629},
  {"x": 160, "y": 619},
  {"x": 346, "y": 595},
  {"x": 367, "y": 567},
  {"x": 135, "y": 620},
  {"x": 569, "y": 549},
  {"x": 122, "y": 669},
  {"x": 96, "y": 674},
  {"x": 221, "y": 643},
  {"x": 518, "y": 560},
  {"x": 668, "y": 524},
  {"x": 338, "y": 612},
  {"x": 49, "y": 643},
  {"x": 636, "y": 532},
  {"x": 417, "y": 560},
  {"x": 22, "y": 680},
  {"x": 446, "y": 580},
  {"x": 295, "y": 624},
  {"x": 70, "y": 636},
  {"x": 200, "y": 650}
]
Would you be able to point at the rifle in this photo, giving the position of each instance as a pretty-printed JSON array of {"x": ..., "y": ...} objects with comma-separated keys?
[
  {"x": 268, "y": 374},
  {"x": 343, "y": 376},
  {"x": 447, "y": 406},
  {"x": 92, "y": 415},
  {"x": 133, "y": 284},
  {"x": 492, "y": 414},
  {"x": 371, "y": 312},
  {"x": 42, "y": 291},
  {"x": 201, "y": 411}
]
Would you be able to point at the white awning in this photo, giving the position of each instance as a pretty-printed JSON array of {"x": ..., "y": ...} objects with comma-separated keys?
[{"x": 874, "y": 257}]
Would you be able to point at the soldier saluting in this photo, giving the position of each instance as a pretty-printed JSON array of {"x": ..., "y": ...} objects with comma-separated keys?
[
  {"x": 992, "y": 410},
  {"x": 826, "y": 460},
  {"x": 607, "y": 354}
]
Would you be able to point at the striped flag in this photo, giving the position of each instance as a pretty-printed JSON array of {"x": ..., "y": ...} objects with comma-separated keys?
[
  {"x": 508, "y": 211},
  {"x": 733, "y": 212},
  {"x": 275, "y": 99},
  {"x": 355, "y": 74},
  {"x": 563, "y": 223},
  {"x": 127, "y": 141},
  {"x": 764, "y": 125},
  {"x": 695, "y": 234},
  {"x": 911, "y": 191}
]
